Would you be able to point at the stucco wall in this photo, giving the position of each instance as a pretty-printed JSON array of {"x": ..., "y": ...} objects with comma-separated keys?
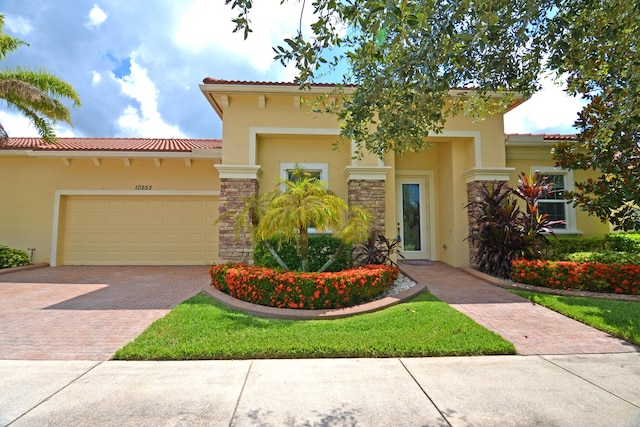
[
  {"x": 29, "y": 185},
  {"x": 523, "y": 159}
]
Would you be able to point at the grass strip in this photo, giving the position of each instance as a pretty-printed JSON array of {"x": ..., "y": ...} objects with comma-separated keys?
[
  {"x": 202, "y": 328},
  {"x": 618, "y": 318}
]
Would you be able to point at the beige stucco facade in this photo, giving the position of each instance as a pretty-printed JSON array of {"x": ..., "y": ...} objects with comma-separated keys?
[
  {"x": 267, "y": 127},
  {"x": 123, "y": 199},
  {"x": 158, "y": 206}
]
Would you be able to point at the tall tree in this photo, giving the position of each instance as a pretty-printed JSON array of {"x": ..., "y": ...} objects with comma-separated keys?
[
  {"x": 405, "y": 56},
  {"x": 34, "y": 93},
  {"x": 602, "y": 60}
]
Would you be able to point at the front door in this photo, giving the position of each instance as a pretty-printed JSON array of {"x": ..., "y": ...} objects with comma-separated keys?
[{"x": 412, "y": 217}]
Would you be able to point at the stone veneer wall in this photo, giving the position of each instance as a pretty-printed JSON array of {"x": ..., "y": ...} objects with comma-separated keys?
[
  {"x": 369, "y": 194},
  {"x": 233, "y": 193}
]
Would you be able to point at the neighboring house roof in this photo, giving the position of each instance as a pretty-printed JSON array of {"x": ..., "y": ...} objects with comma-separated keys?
[
  {"x": 537, "y": 139},
  {"x": 113, "y": 144}
]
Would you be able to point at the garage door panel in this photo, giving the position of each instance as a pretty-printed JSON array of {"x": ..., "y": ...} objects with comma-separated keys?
[{"x": 139, "y": 230}]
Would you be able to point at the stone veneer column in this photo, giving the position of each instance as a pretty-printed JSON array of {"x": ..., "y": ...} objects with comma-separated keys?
[
  {"x": 472, "y": 196},
  {"x": 370, "y": 195},
  {"x": 233, "y": 193},
  {"x": 366, "y": 189},
  {"x": 237, "y": 184}
]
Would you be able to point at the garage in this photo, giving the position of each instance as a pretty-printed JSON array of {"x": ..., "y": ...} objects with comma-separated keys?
[{"x": 138, "y": 230}]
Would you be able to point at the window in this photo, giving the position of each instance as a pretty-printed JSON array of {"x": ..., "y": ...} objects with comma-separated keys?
[
  {"x": 554, "y": 204},
  {"x": 313, "y": 173},
  {"x": 316, "y": 170}
]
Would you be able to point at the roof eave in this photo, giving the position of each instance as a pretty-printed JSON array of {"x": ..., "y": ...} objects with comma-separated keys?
[{"x": 202, "y": 154}]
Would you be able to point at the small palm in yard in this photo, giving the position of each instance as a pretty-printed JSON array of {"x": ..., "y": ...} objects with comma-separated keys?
[{"x": 288, "y": 214}]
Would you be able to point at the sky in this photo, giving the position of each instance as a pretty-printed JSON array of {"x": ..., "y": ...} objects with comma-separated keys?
[{"x": 137, "y": 65}]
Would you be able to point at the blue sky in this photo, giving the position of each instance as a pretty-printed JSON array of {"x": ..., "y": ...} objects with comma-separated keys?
[{"x": 137, "y": 65}]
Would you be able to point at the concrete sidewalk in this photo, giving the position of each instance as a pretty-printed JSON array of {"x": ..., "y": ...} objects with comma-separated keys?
[{"x": 583, "y": 390}]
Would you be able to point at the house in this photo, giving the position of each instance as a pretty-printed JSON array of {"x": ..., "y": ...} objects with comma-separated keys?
[{"x": 90, "y": 201}]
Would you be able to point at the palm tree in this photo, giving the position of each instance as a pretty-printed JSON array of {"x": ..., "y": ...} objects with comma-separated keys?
[
  {"x": 34, "y": 93},
  {"x": 305, "y": 203}
]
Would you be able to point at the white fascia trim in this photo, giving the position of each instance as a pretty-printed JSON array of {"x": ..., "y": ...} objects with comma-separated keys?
[
  {"x": 477, "y": 141},
  {"x": 255, "y": 131},
  {"x": 14, "y": 153},
  {"x": 238, "y": 171},
  {"x": 542, "y": 144},
  {"x": 374, "y": 173},
  {"x": 528, "y": 140},
  {"x": 58, "y": 194},
  {"x": 488, "y": 174},
  {"x": 196, "y": 154}
]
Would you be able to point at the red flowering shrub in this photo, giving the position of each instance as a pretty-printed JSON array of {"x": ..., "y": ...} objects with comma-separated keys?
[
  {"x": 294, "y": 289},
  {"x": 587, "y": 276}
]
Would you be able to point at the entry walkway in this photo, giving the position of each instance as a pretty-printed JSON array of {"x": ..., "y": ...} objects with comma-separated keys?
[{"x": 531, "y": 328}]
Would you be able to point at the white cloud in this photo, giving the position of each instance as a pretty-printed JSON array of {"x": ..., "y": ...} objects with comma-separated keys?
[
  {"x": 548, "y": 111},
  {"x": 206, "y": 24},
  {"x": 146, "y": 121},
  {"x": 96, "y": 79},
  {"x": 96, "y": 17},
  {"x": 18, "y": 25},
  {"x": 18, "y": 126}
]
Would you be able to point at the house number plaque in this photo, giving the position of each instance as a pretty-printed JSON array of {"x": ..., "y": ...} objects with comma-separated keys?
[{"x": 143, "y": 187}]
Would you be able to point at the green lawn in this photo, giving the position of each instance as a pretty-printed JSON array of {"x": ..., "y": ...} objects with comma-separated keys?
[
  {"x": 202, "y": 328},
  {"x": 618, "y": 318}
]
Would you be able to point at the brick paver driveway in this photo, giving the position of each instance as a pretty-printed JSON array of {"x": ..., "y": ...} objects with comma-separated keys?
[{"x": 87, "y": 313}]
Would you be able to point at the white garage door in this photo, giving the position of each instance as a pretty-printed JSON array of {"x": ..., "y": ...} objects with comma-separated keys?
[{"x": 139, "y": 230}]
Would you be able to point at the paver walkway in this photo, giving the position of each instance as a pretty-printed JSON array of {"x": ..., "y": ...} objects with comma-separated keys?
[
  {"x": 87, "y": 313},
  {"x": 533, "y": 329}
]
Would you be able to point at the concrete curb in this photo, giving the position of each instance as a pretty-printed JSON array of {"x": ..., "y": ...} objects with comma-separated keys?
[
  {"x": 23, "y": 268},
  {"x": 508, "y": 284},
  {"x": 298, "y": 314}
]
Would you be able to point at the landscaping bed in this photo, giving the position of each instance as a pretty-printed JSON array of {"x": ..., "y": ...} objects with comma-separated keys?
[
  {"x": 302, "y": 290},
  {"x": 594, "y": 277}
]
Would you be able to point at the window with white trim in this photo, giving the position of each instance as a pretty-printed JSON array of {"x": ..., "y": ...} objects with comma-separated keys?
[
  {"x": 553, "y": 203},
  {"x": 315, "y": 170}
]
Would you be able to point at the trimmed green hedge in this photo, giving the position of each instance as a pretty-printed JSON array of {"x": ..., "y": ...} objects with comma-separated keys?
[
  {"x": 605, "y": 257},
  {"x": 560, "y": 246},
  {"x": 10, "y": 257},
  {"x": 623, "y": 242},
  {"x": 321, "y": 247},
  {"x": 292, "y": 289}
]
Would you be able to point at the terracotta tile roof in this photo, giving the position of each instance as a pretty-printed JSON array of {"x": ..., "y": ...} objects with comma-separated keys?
[
  {"x": 113, "y": 144},
  {"x": 559, "y": 137},
  {"x": 546, "y": 136},
  {"x": 213, "y": 81}
]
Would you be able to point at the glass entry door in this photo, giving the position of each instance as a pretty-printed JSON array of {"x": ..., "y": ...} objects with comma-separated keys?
[{"x": 412, "y": 221}]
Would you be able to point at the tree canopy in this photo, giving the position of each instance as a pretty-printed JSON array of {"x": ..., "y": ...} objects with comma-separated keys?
[
  {"x": 34, "y": 93},
  {"x": 406, "y": 56}
]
